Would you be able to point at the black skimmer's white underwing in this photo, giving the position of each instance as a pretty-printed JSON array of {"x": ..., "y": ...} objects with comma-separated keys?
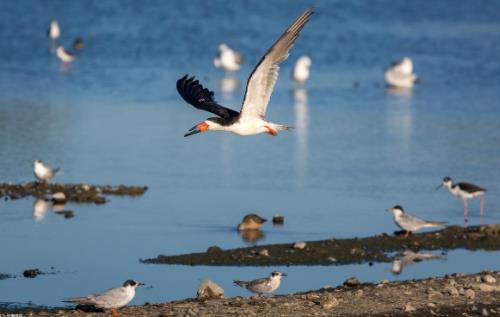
[{"x": 251, "y": 119}]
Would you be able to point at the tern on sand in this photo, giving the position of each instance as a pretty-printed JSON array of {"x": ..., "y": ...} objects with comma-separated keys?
[
  {"x": 251, "y": 119},
  {"x": 465, "y": 191},
  {"x": 400, "y": 74},
  {"x": 300, "y": 71},
  {"x": 409, "y": 223},
  {"x": 228, "y": 59},
  {"x": 54, "y": 32},
  {"x": 42, "y": 172},
  {"x": 112, "y": 299},
  {"x": 263, "y": 285}
]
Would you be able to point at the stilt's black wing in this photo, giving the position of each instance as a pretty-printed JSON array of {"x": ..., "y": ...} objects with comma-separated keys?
[
  {"x": 471, "y": 188},
  {"x": 202, "y": 98}
]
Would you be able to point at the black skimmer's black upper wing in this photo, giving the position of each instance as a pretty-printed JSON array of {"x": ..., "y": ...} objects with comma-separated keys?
[
  {"x": 202, "y": 98},
  {"x": 470, "y": 188}
]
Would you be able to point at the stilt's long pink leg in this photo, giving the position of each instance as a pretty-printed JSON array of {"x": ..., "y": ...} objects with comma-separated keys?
[
  {"x": 481, "y": 207},
  {"x": 466, "y": 210}
]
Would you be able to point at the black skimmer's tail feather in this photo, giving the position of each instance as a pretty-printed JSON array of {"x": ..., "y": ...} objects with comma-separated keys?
[
  {"x": 201, "y": 98},
  {"x": 264, "y": 76}
]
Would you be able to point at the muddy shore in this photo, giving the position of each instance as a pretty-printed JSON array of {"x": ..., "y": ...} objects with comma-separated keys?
[
  {"x": 456, "y": 295},
  {"x": 343, "y": 251},
  {"x": 80, "y": 193}
]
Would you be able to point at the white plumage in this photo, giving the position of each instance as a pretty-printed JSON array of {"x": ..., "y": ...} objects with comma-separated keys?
[
  {"x": 228, "y": 59},
  {"x": 301, "y": 69},
  {"x": 400, "y": 74}
]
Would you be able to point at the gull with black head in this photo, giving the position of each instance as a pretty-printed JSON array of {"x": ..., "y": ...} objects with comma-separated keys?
[{"x": 251, "y": 119}]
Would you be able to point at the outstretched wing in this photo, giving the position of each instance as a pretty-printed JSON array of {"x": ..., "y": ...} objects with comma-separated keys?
[
  {"x": 202, "y": 98},
  {"x": 261, "y": 82}
]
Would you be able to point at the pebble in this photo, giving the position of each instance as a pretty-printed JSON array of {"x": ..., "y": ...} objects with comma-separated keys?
[
  {"x": 353, "y": 281},
  {"x": 31, "y": 273},
  {"x": 488, "y": 279},
  {"x": 278, "y": 219},
  {"x": 410, "y": 308},
  {"x": 332, "y": 259},
  {"x": 488, "y": 287},
  {"x": 484, "y": 312},
  {"x": 469, "y": 294},
  {"x": 209, "y": 289},
  {"x": 263, "y": 252},
  {"x": 329, "y": 301},
  {"x": 452, "y": 290},
  {"x": 59, "y": 197},
  {"x": 299, "y": 245}
]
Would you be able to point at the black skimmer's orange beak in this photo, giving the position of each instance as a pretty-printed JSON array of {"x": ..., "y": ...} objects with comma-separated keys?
[{"x": 202, "y": 127}]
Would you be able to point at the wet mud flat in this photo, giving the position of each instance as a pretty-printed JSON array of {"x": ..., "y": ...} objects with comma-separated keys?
[
  {"x": 80, "y": 193},
  {"x": 455, "y": 295},
  {"x": 342, "y": 251}
]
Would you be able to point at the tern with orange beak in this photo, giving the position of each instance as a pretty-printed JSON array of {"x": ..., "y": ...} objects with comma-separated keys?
[{"x": 251, "y": 119}]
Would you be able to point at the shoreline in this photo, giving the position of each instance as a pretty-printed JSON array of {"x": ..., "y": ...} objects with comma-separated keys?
[{"x": 451, "y": 295}]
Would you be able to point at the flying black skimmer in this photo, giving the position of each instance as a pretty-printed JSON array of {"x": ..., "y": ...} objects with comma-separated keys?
[
  {"x": 300, "y": 71},
  {"x": 228, "y": 59},
  {"x": 42, "y": 172},
  {"x": 251, "y": 222},
  {"x": 400, "y": 74},
  {"x": 54, "y": 31},
  {"x": 111, "y": 299},
  {"x": 65, "y": 56},
  {"x": 465, "y": 191},
  {"x": 251, "y": 119},
  {"x": 410, "y": 223},
  {"x": 262, "y": 285}
]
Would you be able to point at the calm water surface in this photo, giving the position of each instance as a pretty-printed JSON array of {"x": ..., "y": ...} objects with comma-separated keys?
[{"x": 114, "y": 117}]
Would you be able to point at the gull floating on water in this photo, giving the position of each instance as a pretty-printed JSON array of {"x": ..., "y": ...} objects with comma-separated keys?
[
  {"x": 64, "y": 55},
  {"x": 54, "y": 31},
  {"x": 400, "y": 74},
  {"x": 111, "y": 299},
  {"x": 251, "y": 222},
  {"x": 465, "y": 191},
  {"x": 228, "y": 59},
  {"x": 409, "y": 223},
  {"x": 251, "y": 119},
  {"x": 42, "y": 172},
  {"x": 300, "y": 71},
  {"x": 263, "y": 285}
]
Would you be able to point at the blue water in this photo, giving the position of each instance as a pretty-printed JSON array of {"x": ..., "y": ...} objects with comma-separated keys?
[{"x": 114, "y": 117}]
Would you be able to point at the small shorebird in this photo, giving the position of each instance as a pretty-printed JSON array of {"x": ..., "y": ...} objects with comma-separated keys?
[
  {"x": 465, "y": 191},
  {"x": 400, "y": 74},
  {"x": 228, "y": 59},
  {"x": 54, "y": 31},
  {"x": 78, "y": 44},
  {"x": 251, "y": 222},
  {"x": 410, "y": 223},
  {"x": 300, "y": 71},
  {"x": 111, "y": 299},
  {"x": 64, "y": 55},
  {"x": 262, "y": 285},
  {"x": 42, "y": 172},
  {"x": 251, "y": 119}
]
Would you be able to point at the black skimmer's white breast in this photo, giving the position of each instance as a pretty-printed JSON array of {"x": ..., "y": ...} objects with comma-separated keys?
[
  {"x": 228, "y": 59},
  {"x": 400, "y": 74},
  {"x": 410, "y": 223},
  {"x": 65, "y": 56},
  {"x": 251, "y": 119},
  {"x": 465, "y": 191}
]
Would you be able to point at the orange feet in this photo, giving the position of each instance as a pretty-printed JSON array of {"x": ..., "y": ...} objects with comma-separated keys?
[
  {"x": 407, "y": 233},
  {"x": 271, "y": 131},
  {"x": 114, "y": 312}
]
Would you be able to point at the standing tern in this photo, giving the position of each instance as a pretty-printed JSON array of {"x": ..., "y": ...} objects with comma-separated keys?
[
  {"x": 42, "y": 172},
  {"x": 228, "y": 59},
  {"x": 410, "y": 223},
  {"x": 465, "y": 191},
  {"x": 262, "y": 285},
  {"x": 112, "y": 299},
  {"x": 251, "y": 119}
]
